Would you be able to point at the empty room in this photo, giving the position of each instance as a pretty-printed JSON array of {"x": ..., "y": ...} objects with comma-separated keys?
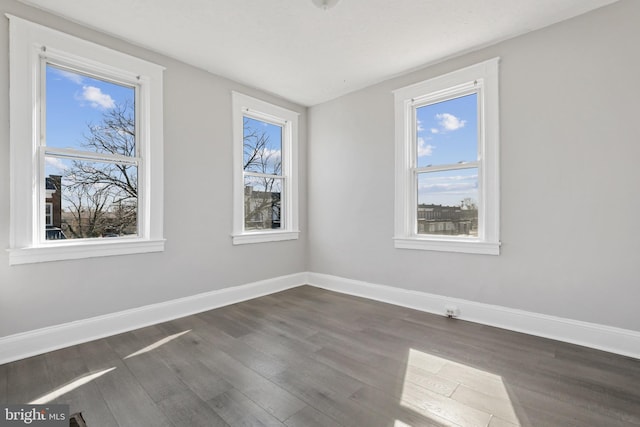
[{"x": 307, "y": 213}]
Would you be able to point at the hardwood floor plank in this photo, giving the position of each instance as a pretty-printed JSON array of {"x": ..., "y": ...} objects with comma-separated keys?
[
  {"x": 187, "y": 409},
  {"x": 238, "y": 349},
  {"x": 268, "y": 395},
  {"x": 499, "y": 406},
  {"x": 378, "y": 401},
  {"x": 69, "y": 374},
  {"x": 98, "y": 355},
  {"x": 3, "y": 384},
  {"x": 27, "y": 380},
  {"x": 153, "y": 375},
  {"x": 124, "y": 395},
  {"x": 204, "y": 382},
  {"x": 499, "y": 422},
  {"x": 429, "y": 403},
  {"x": 432, "y": 382},
  {"x": 310, "y": 417},
  {"x": 590, "y": 375},
  {"x": 346, "y": 412},
  {"x": 238, "y": 410},
  {"x": 128, "y": 400},
  {"x": 612, "y": 403},
  {"x": 275, "y": 321},
  {"x": 311, "y": 357},
  {"x": 536, "y": 409},
  {"x": 224, "y": 323},
  {"x": 474, "y": 378}
]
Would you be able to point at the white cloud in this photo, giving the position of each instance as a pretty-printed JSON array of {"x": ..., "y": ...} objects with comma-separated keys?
[
  {"x": 449, "y": 187},
  {"x": 455, "y": 184},
  {"x": 424, "y": 149},
  {"x": 56, "y": 164},
  {"x": 73, "y": 77},
  {"x": 450, "y": 122},
  {"x": 434, "y": 130},
  {"x": 274, "y": 155},
  {"x": 419, "y": 126},
  {"x": 447, "y": 190},
  {"x": 97, "y": 99}
]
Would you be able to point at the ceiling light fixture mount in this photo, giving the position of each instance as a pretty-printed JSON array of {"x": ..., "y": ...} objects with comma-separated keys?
[{"x": 325, "y": 4}]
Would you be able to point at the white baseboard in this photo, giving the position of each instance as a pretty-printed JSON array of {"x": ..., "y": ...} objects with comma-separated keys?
[
  {"x": 615, "y": 340},
  {"x": 31, "y": 343}
]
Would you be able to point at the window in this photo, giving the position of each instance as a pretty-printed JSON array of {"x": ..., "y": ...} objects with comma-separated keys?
[
  {"x": 447, "y": 159},
  {"x": 265, "y": 171},
  {"x": 48, "y": 214},
  {"x": 86, "y": 148}
]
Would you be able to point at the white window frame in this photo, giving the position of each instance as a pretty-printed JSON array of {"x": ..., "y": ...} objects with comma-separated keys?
[
  {"x": 482, "y": 79},
  {"x": 30, "y": 45},
  {"x": 48, "y": 213},
  {"x": 244, "y": 105}
]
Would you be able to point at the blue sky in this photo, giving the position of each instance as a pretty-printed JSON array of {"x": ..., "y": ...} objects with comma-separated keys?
[
  {"x": 447, "y": 134},
  {"x": 446, "y": 131},
  {"x": 273, "y": 148},
  {"x": 73, "y": 101}
]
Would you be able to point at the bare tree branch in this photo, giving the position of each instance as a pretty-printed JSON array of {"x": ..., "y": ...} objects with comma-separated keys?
[{"x": 102, "y": 196}]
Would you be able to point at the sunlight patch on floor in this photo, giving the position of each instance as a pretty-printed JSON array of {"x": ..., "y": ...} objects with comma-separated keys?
[
  {"x": 69, "y": 387},
  {"x": 158, "y": 344},
  {"x": 458, "y": 393}
]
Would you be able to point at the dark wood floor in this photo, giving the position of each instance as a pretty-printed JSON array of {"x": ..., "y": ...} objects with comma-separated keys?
[{"x": 309, "y": 357}]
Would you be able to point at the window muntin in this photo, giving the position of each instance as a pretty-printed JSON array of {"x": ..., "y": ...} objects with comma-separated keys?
[
  {"x": 446, "y": 166},
  {"x": 263, "y": 203},
  {"x": 447, "y": 160},
  {"x": 265, "y": 171},
  {"x": 447, "y": 203},
  {"x": 262, "y": 147},
  {"x": 36, "y": 54},
  {"x": 89, "y": 140},
  {"x": 263, "y": 178},
  {"x": 48, "y": 214},
  {"x": 447, "y": 131}
]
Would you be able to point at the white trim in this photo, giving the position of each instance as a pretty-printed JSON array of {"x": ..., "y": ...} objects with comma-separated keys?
[
  {"x": 481, "y": 78},
  {"x": 265, "y": 236},
  {"x": 30, "y": 44},
  {"x": 448, "y": 245},
  {"x": 245, "y": 105},
  {"x": 48, "y": 206},
  {"x": 31, "y": 343},
  {"x": 59, "y": 250},
  {"x": 615, "y": 340},
  {"x": 607, "y": 338}
]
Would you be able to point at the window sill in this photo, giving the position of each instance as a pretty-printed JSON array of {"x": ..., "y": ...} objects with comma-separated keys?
[
  {"x": 448, "y": 245},
  {"x": 264, "y": 236},
  {"x": 80, "y": 250}
]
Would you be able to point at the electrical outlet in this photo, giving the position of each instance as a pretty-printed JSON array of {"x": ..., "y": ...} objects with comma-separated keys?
[{"x": 451, "y": 310}]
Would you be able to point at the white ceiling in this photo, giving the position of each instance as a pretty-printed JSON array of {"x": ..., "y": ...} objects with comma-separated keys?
[{"x": 308, "y": 55}]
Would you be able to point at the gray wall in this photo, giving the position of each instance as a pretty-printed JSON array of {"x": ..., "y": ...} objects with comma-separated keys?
[
  {"x": 570, "y": 224},
  {"x": 569, "y": 110},
  {"x": 199, "y": 256}
]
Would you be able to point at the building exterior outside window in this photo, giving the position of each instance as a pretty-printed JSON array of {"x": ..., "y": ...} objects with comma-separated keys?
[{"x": 447, "y": 162}]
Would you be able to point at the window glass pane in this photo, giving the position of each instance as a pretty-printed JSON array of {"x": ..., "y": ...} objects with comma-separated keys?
[
  {"x": 262, "y": 144},
  {"x": 447, "y": 132},
  {"x": 88, "y": 114},
  {"x": 448, "y": 202},
  {"x": 48, "y": 213},
  {"x": 91, "y": 199},
  {"x": 262, "y": 203}
]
